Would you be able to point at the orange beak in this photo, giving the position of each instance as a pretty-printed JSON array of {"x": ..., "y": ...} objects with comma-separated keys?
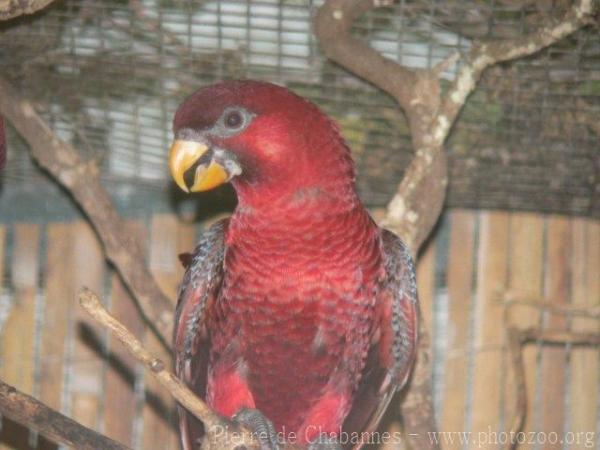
[{"x": 184, "y": 156}]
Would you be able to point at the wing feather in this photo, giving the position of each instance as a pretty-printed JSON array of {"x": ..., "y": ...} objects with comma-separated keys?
[
  {"x": 198, "y": 292},
  {"x": 392, "y": 354}
]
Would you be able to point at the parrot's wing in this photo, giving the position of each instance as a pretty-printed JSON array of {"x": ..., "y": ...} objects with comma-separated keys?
[
  {"x": 392, "y": 355},
  {"x": 197, "y": 294}
]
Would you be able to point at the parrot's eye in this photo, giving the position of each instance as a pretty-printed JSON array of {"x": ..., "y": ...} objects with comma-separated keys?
[{"x": 233, "y": 120}]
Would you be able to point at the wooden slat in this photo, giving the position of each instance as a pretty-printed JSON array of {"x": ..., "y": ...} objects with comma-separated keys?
[
  {"x": 554, "y": 359},
  {"x": 2, "y": 252},
  {"x": 168, "y": 239},
  {"x": 492, "y": 271},
  {"x": 86, "y": 363},
  {"x": 17, "y": 338},
  {"x": 17, "y": 348},
  {"x": 121, "y": 403},
  {"x": 460, "y": 274},
  {"x": 585, "y": 364},
  {"x": 59, "y": 292},
  {"x": 2, "y": 256},
  {"x": 525, "y": 281}
]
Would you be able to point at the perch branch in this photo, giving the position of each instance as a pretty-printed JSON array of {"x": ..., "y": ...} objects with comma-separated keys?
[
  {"x": 484, "y": 55},
  {"x": 509, "y": 299},
  {"x": 82, "y": 180},
  {"x": 91, "y": 303},
  {"x": 417, "y": 203},
  {"x": 9, "y": 9},
  {"x": 51, "y": 424},
  {"x": 517, "y": 338},
  {"x": 430, "y": 114},
  {"x": 426, "y": 176},
  {"x": 332, "y": 28},
  {"x": 214, "y": 424}
]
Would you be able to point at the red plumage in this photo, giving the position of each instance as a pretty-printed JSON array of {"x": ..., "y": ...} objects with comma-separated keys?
[
  {"x": 307, "y": 280},
  {"x": 288, "y": 307}
]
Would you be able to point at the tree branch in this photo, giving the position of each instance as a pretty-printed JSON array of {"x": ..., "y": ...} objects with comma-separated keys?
[
  {"x": 417, "y": 204},
  {"x": 221, "y": 434},
  {"x": 51, "y": 424},
  {"x": 509, "y": 299},
  {"x": 484, "y": 55},
  {"x": 90, "y": 302},
  {"x": 81, "y": 179},
  {"x": 332, "y": 25},
  {"x": 517, "y": 338},
  {"x": 418, "y": 92},
  {"x": 9, "y": 9}
]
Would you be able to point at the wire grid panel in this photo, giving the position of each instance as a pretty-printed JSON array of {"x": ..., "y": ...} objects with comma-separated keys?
[{"x": 109, "y": 76}]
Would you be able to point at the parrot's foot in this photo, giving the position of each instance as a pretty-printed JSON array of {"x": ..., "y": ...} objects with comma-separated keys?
[
  {"x": 325, "y": 442},
  {"x": 260, "y": 426}
]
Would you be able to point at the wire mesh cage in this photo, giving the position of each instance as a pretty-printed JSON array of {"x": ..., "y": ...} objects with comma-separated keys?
[{"x": 108, "y": 76}]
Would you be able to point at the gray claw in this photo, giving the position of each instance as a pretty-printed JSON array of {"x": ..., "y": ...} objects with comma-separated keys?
[
  {"x": 325, "y": 442},
  {"x": 261, "y": 427}
]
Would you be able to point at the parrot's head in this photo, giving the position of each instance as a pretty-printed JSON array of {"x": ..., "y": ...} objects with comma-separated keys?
[{"x": 266, "y": 140}]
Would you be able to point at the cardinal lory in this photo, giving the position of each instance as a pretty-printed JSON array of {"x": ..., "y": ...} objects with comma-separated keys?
[{"x": 298, "y": 311}]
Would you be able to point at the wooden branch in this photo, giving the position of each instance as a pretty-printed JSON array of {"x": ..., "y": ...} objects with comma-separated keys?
[
  {"x": 51, "y": 424},
  {"x": 9, "y": 9},
  {"x": 221, "y": 434},
  {"x": 91, "y": 303},
  {"x": 332, "y": 28},
  {"x": 418, "y": 92},
  {"x": 517, "y": 338},
  {"x": 414, "y": 209},
  {"x": 509, "y": 299},
  {"x": 81, "y": 179},
  {"x": 484, "y": 55},
  {"x": 417, "y": 408}
]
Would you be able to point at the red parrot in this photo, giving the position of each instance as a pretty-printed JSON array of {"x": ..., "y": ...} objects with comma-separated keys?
[{"x": 298, "y": 314}]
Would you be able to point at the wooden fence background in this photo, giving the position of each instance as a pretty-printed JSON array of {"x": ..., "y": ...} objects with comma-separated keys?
[{"x": 476, "y": 263}]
